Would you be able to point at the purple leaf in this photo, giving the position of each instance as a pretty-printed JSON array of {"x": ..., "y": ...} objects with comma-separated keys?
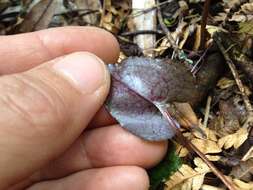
[
  {"x": 139, "y": 86},
  {"x": 136, "y": 114}
]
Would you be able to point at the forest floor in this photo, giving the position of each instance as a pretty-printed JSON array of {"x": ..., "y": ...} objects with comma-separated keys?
[{"x": 185, "y": 30}]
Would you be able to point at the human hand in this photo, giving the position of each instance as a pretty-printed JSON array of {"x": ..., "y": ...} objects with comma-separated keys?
[{"x": 48, "y": 96}]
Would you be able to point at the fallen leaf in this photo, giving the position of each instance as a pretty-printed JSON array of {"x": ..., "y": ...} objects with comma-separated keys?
[
  {"x": 243, "y": 170},
  {"x": 241, "y": 18},
  {"x": 93, "y": 18},
  {"x": 185, "y": 36},
  {"x": 39, "y": 16},
  {"x": 243, "y": 185},
  {"x": 247, "y": 8},
  {"x": 234, "y": 140},
  {"x": 197, "y": 38},
  {"x": 213, "y": 158},
  {"x": 181, "y": 150},
  {"x": 209, "y": 187},
  {"x": 206, "y": 146},
  {"x": 184, "y": 114},
  {"x": 188, "y": 177},
  {"x": 224, "y": 83},
  {"x": 210, "y": 134}
]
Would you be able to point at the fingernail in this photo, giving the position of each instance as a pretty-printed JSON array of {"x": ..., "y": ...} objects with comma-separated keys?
[{"x": 86, "y": 71}]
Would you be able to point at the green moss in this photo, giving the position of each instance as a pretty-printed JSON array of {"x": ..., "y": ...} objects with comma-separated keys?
[{"x": 165, "y": 168}]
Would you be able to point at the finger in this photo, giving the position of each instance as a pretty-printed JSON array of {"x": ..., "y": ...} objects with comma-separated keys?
[
  {"x": 45, "y": 109},
  {"x": 111, "y": 178},
  {"x": 104, "y": 147},
  {"x": 24, "y": 51},
  {"x": 102, "y": 118}
]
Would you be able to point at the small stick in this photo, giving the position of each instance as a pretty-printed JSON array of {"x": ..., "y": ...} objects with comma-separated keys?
[
  {"x": 203, "y": 24},
  {"x": 238, "y": 81},
  {"x": 139, "y": 32},
  {"x": 236, "y": 77},
  {"x": 207, "y": 111},
  {"x": 192, "y": 148},
  {"x": 144, "y": 11},
  {"x": 145, "y": 21}
]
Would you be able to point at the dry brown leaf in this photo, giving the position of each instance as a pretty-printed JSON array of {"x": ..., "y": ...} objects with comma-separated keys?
[
  {"x": 107, "y": 3},
  {"x": 209, "y": 187},
  {"x": 247, "y": 8},
  {"x": 107, "y": 18},
  {"x": 185, "y": 36},
  {"x": 243, "y": 185},
  {"x": 210, "y": 134},
  {"x": 213, "y": 158},
  {"x": 39, "y": 16},
  {"x": 89, "y": 5},
  {"x": 112, "y": 16},
  {"x": 206, "y": 146},
  {"x": 184, "y": 173},
  {"x": 106, "y": 22},
  {"x": 197, "y": 38},
  {"x": 243, "y": 170},
  {"x": 241, "y": 18},
  {"x": 220, "y": 17},
  {"x": 185, "y": 115},
  {"x": 181, "y": 151},
  {"x": 234, "y": 140},
  {"x": 176, "y": 35},
  {"x": 225, "y": 82},
  {"x": 211, "y": 29},
  {"x": 188, "y": 178}
]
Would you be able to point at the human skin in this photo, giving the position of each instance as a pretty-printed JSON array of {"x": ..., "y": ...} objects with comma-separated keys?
[{"x": 54, "y": 130}]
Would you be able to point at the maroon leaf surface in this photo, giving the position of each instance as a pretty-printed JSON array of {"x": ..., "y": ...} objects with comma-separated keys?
[{"x": 139, "y": 86}]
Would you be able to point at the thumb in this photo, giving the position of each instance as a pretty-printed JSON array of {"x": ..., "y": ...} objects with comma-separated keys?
[{"x": 42, "y": 111}]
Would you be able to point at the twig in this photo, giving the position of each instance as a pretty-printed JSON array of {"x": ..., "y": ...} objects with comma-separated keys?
[
  {"x": 196, "y": 67},
  {"x": 145, "y": 22},
  {"x": 139, "y": 32},
  {"x": 236, "y": 76},
  {"x": 144, "y": 11},
  {"x": 207, "y": 111},
  {"x": 192, "y": 148},
  {"x": 203, "y": 24},
  {"x": 238, "y": 81}
]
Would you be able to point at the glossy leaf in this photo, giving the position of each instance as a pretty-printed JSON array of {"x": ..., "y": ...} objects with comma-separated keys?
[{"x": 139, "y": 86}]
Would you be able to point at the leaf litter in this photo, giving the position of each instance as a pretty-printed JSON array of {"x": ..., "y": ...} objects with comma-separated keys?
[{"x": 177, "y": 78}]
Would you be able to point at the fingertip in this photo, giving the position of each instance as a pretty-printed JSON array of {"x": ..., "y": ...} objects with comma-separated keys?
[
  {"x": 102, "y": 118},
  {"x": 139, "y": 177},
  {"x": 92, "y": 39},
  {"x": 109, "y": 39},
  {"x": 85, "y": 71},
  {"x": 118, "y": 177},
  {"x": 28, "y": 50}
]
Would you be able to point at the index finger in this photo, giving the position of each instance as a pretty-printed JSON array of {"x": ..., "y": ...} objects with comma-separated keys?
[{"x": 24, "y": 51}]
